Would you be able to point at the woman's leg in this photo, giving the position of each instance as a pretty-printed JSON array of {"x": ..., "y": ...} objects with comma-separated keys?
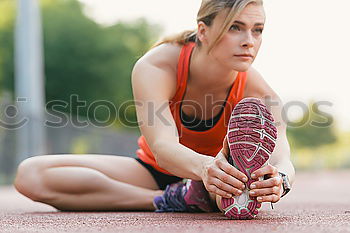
[{"x": 87, "y": 182}]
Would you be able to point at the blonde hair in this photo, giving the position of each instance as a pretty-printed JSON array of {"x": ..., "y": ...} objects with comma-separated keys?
[{"x": 209, "y": 9}]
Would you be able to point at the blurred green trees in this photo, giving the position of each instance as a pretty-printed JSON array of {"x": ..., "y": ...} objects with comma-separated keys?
[
  {"x": 82, "y": 58},
  {"x": 7, "y": 16},
  {"x": 315, "y": 128}
]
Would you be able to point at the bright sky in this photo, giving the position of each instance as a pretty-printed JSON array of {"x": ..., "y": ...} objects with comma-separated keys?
[{"x": 304, "y": 56}]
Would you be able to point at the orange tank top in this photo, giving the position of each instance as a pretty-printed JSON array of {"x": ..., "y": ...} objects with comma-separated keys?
[{"x": 208, "y": 142}]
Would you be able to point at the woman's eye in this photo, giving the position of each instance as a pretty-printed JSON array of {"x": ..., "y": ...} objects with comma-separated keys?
[
  {"x": 259, "y": 30},
  {"x": 234, "y": 27}
]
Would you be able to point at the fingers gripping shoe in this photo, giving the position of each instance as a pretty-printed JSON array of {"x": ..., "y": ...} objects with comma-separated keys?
[{"x": 251, "y": 138}]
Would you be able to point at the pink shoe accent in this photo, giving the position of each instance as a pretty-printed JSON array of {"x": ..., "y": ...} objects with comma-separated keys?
[
  {"x": 197, "y": 196},
  {"x": 251, "y": 137}
]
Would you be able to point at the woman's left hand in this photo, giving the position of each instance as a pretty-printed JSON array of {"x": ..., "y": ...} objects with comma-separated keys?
[{"x": 269, "y": 190}]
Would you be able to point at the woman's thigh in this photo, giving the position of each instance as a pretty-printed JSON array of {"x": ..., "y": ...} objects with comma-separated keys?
[{"x": 120, "y": 168}]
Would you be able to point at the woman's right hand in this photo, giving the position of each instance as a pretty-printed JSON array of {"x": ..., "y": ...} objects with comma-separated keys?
[{"x": 220, "y": 177}]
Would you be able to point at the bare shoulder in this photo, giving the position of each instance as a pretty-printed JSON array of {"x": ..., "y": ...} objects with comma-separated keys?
[
  {"x": 256, "y": 86},
  {"x": 156, "y": 71},
  {"x": 163, "y": 56}
]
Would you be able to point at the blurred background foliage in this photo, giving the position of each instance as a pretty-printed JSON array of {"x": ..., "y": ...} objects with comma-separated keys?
[
  {"x": 314, "y": 129},
  {"x": 82, "y": 57},
  {"x": 95, "y": 62},
  {"x": 316, "y": 142}
]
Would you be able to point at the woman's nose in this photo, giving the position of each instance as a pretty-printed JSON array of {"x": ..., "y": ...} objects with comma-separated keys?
[{"x": 248, "y": 41}]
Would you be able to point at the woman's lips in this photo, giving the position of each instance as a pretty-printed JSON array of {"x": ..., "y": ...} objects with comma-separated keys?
[{"x": 244, "y": 57}]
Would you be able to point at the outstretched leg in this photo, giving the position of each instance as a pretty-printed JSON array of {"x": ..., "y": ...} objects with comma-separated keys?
[{"x": 87, "y": 182}]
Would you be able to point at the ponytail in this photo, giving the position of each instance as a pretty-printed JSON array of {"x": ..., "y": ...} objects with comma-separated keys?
[{"x": 181, "y": 38}]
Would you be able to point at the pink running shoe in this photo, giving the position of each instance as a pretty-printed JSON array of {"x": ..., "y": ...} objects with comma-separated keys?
[
  {"x": 189, "y": 196},
  {"x": 251, "y": 138}
]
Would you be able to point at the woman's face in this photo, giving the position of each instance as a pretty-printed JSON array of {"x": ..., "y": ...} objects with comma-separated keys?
[{"x": 243, "y": 38}]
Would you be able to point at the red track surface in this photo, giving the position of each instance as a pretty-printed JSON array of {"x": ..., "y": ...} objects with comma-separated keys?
[{"x": 319, "y": 202}]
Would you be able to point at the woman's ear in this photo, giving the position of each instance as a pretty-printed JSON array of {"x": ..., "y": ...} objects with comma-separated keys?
[{"x": 202, "y": 32}]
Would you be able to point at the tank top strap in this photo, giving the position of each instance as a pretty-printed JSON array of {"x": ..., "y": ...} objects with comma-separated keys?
[
  {"x": 237, "y": 92},
  {"x": 241, "y": 86},
  {"x": 182, "y": 71}
]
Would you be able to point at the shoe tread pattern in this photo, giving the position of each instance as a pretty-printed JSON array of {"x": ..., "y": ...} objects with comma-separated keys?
[{"x": 251, "y": 137}]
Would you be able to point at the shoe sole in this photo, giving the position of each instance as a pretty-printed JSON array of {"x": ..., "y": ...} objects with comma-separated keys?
[{"x": 251, "y": 138}]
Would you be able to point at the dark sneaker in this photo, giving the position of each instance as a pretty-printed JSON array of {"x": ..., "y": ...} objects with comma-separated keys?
[
  {"x": 251, "y": 138},
  {"x": 188, "y": 196}
]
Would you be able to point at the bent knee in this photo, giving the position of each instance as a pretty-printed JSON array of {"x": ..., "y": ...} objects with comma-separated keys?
[{"x": 28, "y": 180}]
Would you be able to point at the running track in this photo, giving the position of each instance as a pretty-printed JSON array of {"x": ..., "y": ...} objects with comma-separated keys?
[{"x": 319, "y": 202}]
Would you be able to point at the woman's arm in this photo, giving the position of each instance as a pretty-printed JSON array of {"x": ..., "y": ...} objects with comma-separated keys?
[
  {"x": 280, "y": 158},
  {"x": 153, "y": 86}
]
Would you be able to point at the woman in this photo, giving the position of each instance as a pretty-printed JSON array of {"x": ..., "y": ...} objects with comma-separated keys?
[{"x": 213, "y": 62}]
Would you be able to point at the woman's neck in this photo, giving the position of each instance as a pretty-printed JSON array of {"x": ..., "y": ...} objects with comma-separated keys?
[{"x": 205, "y": 73}]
